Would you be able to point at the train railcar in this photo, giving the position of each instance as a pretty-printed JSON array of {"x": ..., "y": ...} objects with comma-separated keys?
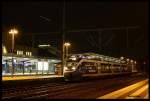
[{"x": 77, "y": 68}]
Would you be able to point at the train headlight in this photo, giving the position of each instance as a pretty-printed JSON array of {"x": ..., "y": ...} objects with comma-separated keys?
[
  {"x": 73, "y": 68},
  {"x": 65, "y": 68}
]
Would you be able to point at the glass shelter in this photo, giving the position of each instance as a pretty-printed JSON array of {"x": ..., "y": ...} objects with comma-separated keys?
[{"x": 27, "y": 65}]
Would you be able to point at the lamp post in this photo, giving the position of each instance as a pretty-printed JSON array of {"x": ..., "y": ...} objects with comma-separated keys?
[
  {"x": 132, "y": 64},
  {"x": 121, "y": 59},
  {"x": 66, "y": 45},
  {"x": 63, "y": 35},
  {"x": 13, "y": 32},
  {"x": 127, "y": 61}
]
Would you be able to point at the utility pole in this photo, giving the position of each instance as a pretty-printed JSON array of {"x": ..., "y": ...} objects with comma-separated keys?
[
  {"x": 63, "y": 37},
  {"x": 13, "y": 32}
]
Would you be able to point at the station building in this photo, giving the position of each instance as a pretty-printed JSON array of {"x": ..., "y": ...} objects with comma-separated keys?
[{"x": 26, "y": 62}]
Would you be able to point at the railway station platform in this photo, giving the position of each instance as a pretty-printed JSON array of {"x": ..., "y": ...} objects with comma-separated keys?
[
  {"x": 138, "y": 90},
  {"x": 28, "y": 77}
]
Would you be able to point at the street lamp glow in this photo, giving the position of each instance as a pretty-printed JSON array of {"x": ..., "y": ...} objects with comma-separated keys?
[
  {"x": 67, "y": 44},
  {"x": 13, "y": 31},
  {"x": 127, "y": 60},
  {"x": 131, "y": 61},
  {"x": 135, "y": 62}
]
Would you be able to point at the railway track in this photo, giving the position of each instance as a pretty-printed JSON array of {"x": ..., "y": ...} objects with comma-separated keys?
[
  {"x": 38, "y": 90},
  {"x": 19, "y": 92},
  {"x": 63, "y": 89}
]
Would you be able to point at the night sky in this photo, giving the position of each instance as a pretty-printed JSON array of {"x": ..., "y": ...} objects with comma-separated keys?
[{"x": 28, "y": 18}]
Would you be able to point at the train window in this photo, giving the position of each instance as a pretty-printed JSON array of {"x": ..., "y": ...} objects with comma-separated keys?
[
  {"x": 88, "y": 67},
  {"x": 104, "y": 66},
  {"x": 107, "y": 66}
]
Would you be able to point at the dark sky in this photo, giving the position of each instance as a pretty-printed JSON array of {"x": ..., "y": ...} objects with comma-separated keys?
[{"x": 83, "y": 15}]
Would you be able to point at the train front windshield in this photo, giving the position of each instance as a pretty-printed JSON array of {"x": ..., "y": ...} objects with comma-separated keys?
[{"x": 71, "y": 65}]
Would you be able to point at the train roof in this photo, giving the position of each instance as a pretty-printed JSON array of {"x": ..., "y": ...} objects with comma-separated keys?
[{"x": 95, "y": 56}]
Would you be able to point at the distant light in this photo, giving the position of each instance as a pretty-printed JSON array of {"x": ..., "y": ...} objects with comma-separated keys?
[
  {"x": 113, "y": 59},
  {"x": 100, "y": 57},
  {"x": 92, "y": 56},
  {"x": 89, "y": 57},
  {"x": 53, "y": 60},
  {"x": 15, "y": 60},
  {"x": 110, "y": 59},
  {"x": 73, "y": 58},
  {"x": 25, "y": 58},
  {"x": 144, "y": 62},
  {"x": 122, "y": 58},
  {"x": 65, "y": 68},
  {"x": 127, "y": 60},
  {"x": 73, "y": 68},
  {"x": 27, "y": 53},
  {"x": 44, "y": 45},
  {"x": 106, "y": 58},
  {"x": 135, "y": 62},
  {"x": 8, "y": 57},
  {"x": 80, "y": 56},
  {"x": 30, "y": 53},
  {"x": 123, "y": 61},
  {"x": 117, "y": 60},
  {"x": 4, "y": 50},
  {"x": 19, "y": 52},
  {"x": 67, "y": 44},
  {"x": 131, "y": 61},
  {"x": 83, "y": 57},
  {"x": 97, "y": 56}
]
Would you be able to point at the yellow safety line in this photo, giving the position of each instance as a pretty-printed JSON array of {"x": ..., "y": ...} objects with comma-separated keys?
[
  {"x": 17, "y": 78},
  {"x": 139, "y": 91},
  {"x": 118, "y": 93}
]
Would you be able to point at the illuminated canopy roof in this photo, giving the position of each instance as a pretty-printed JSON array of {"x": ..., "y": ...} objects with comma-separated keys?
[{"x": 97, "y": 56}]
